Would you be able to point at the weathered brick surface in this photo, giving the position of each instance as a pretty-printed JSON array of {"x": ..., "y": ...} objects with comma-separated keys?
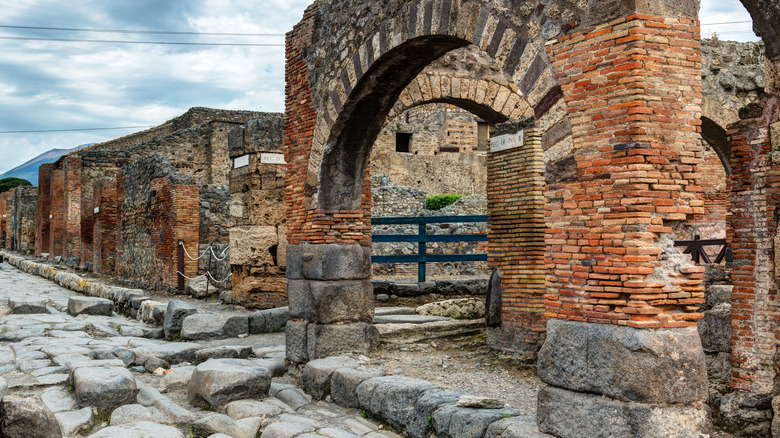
[
  {"x": 633, "y": 88},
  {"x": 105, "y": 226},
  {"x": 42, "y": 238},
  {"x": 752, "y": 233}
]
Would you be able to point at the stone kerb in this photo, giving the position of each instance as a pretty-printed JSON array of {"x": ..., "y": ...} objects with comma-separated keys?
[{"x": 414, "y": 406}]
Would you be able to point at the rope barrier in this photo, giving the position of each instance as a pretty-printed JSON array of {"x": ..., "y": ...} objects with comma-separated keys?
[
  {"x": 206, "y": 274},
  {"x": 223, "y": 254}
]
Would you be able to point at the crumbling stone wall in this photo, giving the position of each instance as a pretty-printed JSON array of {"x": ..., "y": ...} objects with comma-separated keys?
[
  {"x": 159, "y": 207},
  {"x": 18, "y": 217},
  {"x": 258, "y": 238}
]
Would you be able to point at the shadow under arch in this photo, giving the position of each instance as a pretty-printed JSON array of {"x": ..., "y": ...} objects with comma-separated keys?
[{"x": 717, "y": 138}]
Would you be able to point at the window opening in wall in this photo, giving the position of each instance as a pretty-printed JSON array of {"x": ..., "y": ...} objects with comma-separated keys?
[
  {"x": 403, "y": 142},
  {"x": 483, "y": 137}
]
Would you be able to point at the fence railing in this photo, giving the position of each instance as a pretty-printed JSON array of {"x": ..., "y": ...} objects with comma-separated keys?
[
  {"x": 218, "y": 256},
  {"x": 422, "y": 238},
  {"x": 696, "y": 246}
]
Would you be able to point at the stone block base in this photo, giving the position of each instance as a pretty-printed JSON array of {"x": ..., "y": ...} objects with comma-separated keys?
[
  {"x": 306, "y": 341},
  {"x": 565, "y": 414}
]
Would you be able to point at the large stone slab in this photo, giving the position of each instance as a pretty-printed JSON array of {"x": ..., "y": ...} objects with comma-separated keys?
[
  {"x": 213, "y": 326},
  {"x": 27, "y": 306},
  {"x": 325, "y": 340},
  {"x": 523, "y": 426},
  {"x": 344, "y": 383},
  {"x": 317, "y": 374},
  {"x": 326, "y": 302},
  {"x": 451, "y": 421},
  {"x": 103, "y": 388},
  {"x": 459, "y": 308},
  {"x": 141, "y": 429},
  {"x": 328, "y": 262},
  {"x": 73, "y": 422},
  {"x": 78, "y": 305},
  {"x": 659, "y": 366},
  {"x": 296, "y": 344},
  {"x": 567, "y": 414},
  {"x": 174, "y": 316},
  {"x": 223, "y": 352},
  {"x": 269, "y": 321},
  {"x": 408, "y": 319},
  {"x": 218, "y": 382},
  {"x": 392, "y": 398},
  {"x": 220, "y": 423},
  {"x": 424, "y": 407},
  {"x": 27, "y": 417}
]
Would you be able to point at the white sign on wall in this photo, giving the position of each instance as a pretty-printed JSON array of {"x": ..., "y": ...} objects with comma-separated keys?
[
  {"x": 97, "y": 210},
  {"x": 51, "y": 216},
  {"x": 268, "y": 158},
  {"x": 506, "y": 141},
  {"x": 241, "y": 161}
]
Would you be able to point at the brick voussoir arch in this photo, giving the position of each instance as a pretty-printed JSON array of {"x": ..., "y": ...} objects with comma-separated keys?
[{"x": 364, "y": 86}]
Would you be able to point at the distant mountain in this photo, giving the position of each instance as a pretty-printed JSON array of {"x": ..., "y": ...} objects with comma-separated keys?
[{"x": 29, "y": 170}]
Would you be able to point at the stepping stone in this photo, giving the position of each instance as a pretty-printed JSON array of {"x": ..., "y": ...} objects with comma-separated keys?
[
  {"x": 392, "y": 398},
  {"x": 384, "y": 311},
  {"x": 27, "y": 418},
  {"x": 240, "y": 409},
  {"x": 220, "y": 423},
  {"x": 104, "y": 388},
  {"x": 174, "y": 316},
  {"x": 73, "y": 422},
  {"x": 26, "y": 306},
  {"x": 317, "y": 373},
  {"x": 141, "y": 429},
  {"x": 171, "y": 352},
  {"x": 223, "y": 352},
  {"x": 78, "y": 305},
  {"x": 283, "y": 429},
  {"x": 58, "y": 400},
  {"x": 218, "y": 382},
  {"x": 269, "y": 321},
  {"x": 276, "y": 365},
  {"x": 132, "y": 413},
  {"x": 344, "y": 383},
  {"x": 213, "y": 326},
  {"x": 451, "y": 420},
  {"x": 408, "y": 319},
  {"x": 179, "y": 376}
]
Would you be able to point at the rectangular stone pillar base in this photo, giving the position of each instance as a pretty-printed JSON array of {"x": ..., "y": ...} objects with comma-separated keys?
[
  {"x": 307, "y": 341},
  {"x": 566, "y": 414}
]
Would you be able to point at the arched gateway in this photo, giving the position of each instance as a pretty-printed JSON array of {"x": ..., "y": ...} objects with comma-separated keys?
[{"x": 588, "y": 239}]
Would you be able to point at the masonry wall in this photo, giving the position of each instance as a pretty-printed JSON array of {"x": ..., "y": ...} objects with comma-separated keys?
[
  {"x": 105, "y": 228},
  {"x": 159, "y": 207},
  {"x": 4, "y": 217},
  {"x": 24, "y": 219},
  {"x": 43, "y": 207},
  {"x": 258, "y": 238}
]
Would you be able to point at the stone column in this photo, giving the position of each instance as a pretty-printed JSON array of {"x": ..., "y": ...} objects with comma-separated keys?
[
  {"x": 331, "y": 301},
  {"x": 622, "y": 355}
]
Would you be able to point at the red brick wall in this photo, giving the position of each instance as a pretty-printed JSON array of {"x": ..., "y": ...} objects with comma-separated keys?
[
  {"x": 4, "y": 197},
  {"x": 72, "y": 169},
  {"x": 633, "y": 88},
  {"x": 104, "y": 230},
  {"x": 516, "y": 231},
  {"x": 42, "y": 238},
  {"x": 752, "y": 234},
  {"x": 57, "y": 213},
  {"x": 184, "y": 226}
]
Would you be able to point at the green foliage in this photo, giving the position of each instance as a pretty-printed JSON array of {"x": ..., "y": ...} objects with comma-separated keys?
[
  {"x": 437, "y": 202},
  {"x": 7, "y": 184}
]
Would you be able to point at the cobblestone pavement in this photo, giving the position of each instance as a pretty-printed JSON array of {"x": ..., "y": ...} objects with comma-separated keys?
[{"x": 44, "y": 353}]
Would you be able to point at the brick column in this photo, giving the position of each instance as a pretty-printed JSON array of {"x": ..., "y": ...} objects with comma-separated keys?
[
  {"x": 72, "y": 187},
  {"x": 105, "y": 226},
  {"x": 42, "y": 238},
  {"x": 623, "y": 301},
  {"x": 57, "y": 214},
  {"x": 515, "y": 193},
  {"x": 328, "y": 257},
  {"x": 753, "y": 235},
  {"x": 4, "y": 212}
]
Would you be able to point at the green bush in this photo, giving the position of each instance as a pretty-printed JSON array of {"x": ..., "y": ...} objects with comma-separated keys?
[
  {"x": 437, "y": 202},
  {"x": 7, "y": 184}
]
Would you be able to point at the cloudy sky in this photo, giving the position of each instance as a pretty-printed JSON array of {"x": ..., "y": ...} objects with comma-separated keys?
[{"x": 58, "y": 85}]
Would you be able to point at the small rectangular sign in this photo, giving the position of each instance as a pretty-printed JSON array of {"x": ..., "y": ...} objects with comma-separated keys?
[
  {"x": 269, "y": 158},
  {"x": 241, "y": 161},
  {"x": 507, "y": 141},
  {"x": 97, "y": 210},
  {"x": 51, "y": 216}
]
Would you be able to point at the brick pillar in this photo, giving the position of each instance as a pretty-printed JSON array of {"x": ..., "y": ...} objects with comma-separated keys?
[
  {"x": 72, "y": 192},
  {"x": 329, "y": 253},
  {"x": 42, "y": 238},
  {"x": 623, "y": 301},
  {"x": 184, "y": 226},
  {"x": 752, "y": 233},
  {"x": 57, "y": 214},
  {"x": 105, "y": 226},
  {"x": 515, "y": 193},
  {"x": 4, "y": 214}
]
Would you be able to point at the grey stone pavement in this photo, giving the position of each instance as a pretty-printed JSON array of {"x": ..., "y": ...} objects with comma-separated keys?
[{"x": 102, "y": 376}]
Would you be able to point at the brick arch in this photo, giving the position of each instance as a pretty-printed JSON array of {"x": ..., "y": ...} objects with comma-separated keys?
[
  {"x": 716, "y": 136},
  {"x": 392, "y": 54}
]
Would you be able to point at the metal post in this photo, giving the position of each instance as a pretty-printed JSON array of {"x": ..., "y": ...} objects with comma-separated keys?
[
  {"x": 180, "y": 276},
  {"x": 421, "y": 249},
  {"x": 208, "y": 270}
]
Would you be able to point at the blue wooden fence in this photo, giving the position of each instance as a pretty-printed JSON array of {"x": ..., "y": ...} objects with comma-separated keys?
[{"x": 422, "y": 238}]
